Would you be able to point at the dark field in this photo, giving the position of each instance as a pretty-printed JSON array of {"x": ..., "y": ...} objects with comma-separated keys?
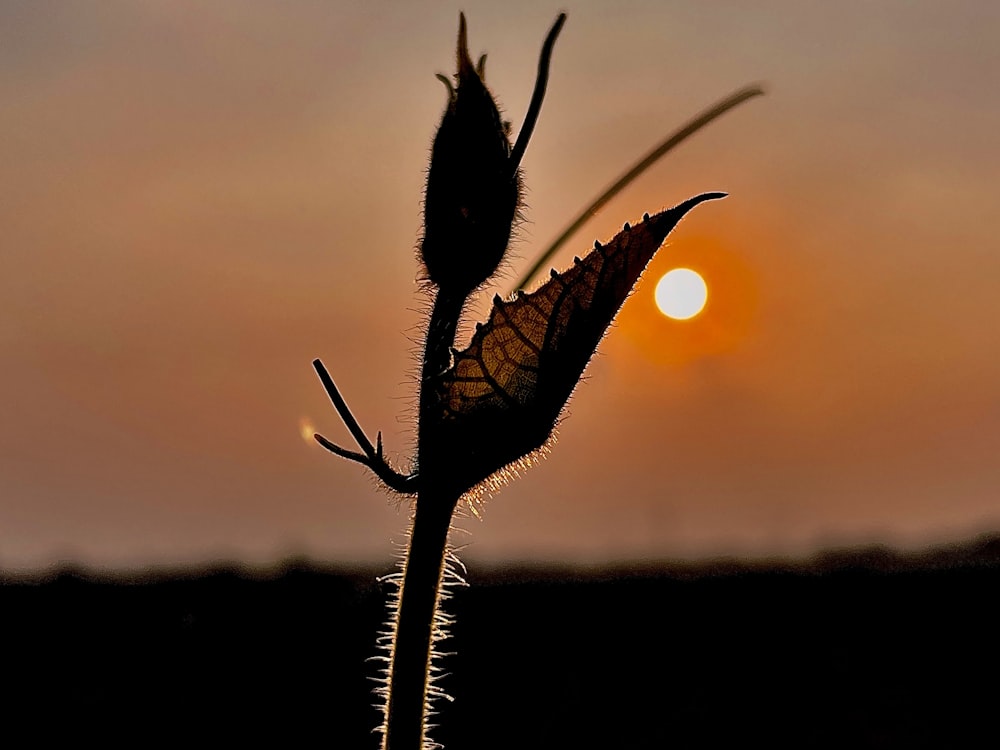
[{"x": 859, "y": 650}]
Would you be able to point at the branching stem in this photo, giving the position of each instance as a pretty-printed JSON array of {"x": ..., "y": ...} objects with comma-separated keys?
[
  {"x": 372, "y": 456},
  {"x": 450, "y": 242}
]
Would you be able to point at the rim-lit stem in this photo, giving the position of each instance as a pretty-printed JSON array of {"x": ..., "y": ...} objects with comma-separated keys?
[{"x": 409, "y": 671}]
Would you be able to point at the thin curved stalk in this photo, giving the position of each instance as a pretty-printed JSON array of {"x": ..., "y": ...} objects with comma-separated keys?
[
  {"x": 538, "y": 95},
  {"x": 672, "y": 141}
]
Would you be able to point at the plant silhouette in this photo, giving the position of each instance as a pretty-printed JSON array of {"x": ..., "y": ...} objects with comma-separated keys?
[{"x": 495, "y": 404}]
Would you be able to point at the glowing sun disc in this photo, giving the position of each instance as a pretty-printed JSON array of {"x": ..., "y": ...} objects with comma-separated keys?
[{"x": 681, "y": 294}]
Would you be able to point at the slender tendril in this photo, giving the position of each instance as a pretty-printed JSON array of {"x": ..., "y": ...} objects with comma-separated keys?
[
  {"x": 674, "y": 140},
  {"x": 541, "y": 82}
]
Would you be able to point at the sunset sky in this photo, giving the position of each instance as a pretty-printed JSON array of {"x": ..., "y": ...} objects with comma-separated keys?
[{"x": 200, "y": 198}]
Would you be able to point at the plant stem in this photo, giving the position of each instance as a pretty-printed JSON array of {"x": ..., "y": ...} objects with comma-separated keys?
[
  {"x": 415, "y": 623},
  {"x": 437, "y": 356},
  {"x": 416, "y": 617}
]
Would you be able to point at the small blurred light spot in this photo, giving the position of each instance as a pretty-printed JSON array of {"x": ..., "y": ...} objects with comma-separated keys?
[{"x": 306, "y": 430}]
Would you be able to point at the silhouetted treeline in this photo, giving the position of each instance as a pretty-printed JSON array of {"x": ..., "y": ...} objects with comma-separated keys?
[{"x": 864, "y": 649}]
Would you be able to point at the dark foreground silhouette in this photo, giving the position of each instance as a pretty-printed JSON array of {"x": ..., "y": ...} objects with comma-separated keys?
[{"x": 861, "y": 649}]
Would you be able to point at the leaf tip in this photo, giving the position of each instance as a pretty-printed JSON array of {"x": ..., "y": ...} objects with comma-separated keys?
[{"x": 683, "y": 208}]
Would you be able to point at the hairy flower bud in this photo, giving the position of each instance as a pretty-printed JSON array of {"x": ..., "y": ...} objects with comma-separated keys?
[{"x": 473, "y": 187}]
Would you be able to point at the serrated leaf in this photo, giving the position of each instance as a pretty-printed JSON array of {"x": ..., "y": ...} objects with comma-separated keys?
[{"x": 503, "y": 395}]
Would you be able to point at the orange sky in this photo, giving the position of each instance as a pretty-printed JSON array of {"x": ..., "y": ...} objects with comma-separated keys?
[{"x": 200, "y": 199}]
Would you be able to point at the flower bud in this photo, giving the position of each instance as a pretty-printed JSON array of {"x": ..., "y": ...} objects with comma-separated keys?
[{"x": 473, "y": 188}]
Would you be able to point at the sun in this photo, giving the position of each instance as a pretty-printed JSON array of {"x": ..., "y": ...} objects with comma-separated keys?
[{"x": 681, "y": 294}]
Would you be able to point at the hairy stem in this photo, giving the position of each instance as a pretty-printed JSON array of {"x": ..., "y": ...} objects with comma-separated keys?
[
  {"x": 417, "y": 615},
  {"x": 437, "y": 352},
  {"x": 415, "y": 624}
]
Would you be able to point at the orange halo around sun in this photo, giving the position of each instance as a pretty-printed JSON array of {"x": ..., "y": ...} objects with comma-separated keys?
[{"x": 719, "y": 326}]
